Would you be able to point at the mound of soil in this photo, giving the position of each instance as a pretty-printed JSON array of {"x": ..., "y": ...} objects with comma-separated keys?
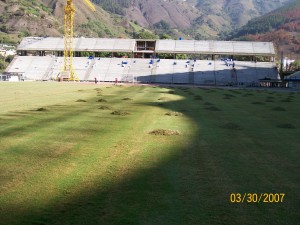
[
  {"x": 173, "y": 114},
  {"x": 226, "y": 98},
  {"x": 127, "y": 99},
  {"x": 101, "y": 100},
  {"x": 198, "y": 97},
  {"x": 81, "y": 100},
  {"x": 269, "y": 100},
  {"x": 120, "y": 113},
  {"x": 231, "y": 126},
  {"x": 229, "y": 96},
  {"x": 289, "y": 99},
  {"x": 247, "y": 94},
  {"x": 164, "y": 132},
  {"x": 41, "y": 109},
  {"x": 286, "y": 126},
  {"x": 213, "y": 108},
  {"x": 164, "y": 99},
  {"x": 279, "y": 109},
  {"x": 105, "y": 107},
  {"x": 258, "y": 103}
]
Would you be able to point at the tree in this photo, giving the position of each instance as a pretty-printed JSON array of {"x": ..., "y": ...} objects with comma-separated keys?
[
  {"x": 146, "y": 35},
  {"x": 165, "y": 36}
]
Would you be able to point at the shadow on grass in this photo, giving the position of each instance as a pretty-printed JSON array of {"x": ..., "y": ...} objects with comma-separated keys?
[{"x": 192, "y": 186}]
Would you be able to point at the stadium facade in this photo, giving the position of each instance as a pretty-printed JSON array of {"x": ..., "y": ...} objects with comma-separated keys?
[{"x": 148, "y": 61}]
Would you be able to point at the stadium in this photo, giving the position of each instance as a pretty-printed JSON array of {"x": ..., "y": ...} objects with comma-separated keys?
[
  {"x": 148, "y": 61},
  {"x": 155, "y": 132}
]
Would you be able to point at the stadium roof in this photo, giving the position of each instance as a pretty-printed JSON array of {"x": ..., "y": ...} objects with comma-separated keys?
[
  {"x": 162, "y": 46},
  {"x": 80, "y": 44},
  {"x": 215, "y": 47}
]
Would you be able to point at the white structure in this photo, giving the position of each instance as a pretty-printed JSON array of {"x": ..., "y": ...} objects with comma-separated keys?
[{"x": 41, "y": 59}]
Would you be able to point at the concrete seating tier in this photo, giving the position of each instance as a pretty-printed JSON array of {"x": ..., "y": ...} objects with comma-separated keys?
[{"x": 206, "y": 72}]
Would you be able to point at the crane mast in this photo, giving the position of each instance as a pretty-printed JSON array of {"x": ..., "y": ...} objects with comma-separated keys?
[{"x": 68, "y": 72}]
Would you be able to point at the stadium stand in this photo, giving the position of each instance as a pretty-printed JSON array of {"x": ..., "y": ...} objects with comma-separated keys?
[
  {"x": 204, "y": 72},
  {"x": 294, "y": 80},
  {"x": 48, "y": 61},
  {"x": 140, "y": 70}
]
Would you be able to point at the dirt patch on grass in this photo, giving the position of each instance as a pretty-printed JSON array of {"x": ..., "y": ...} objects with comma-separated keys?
[
  {"x": 41, "y": 109},
  {"x": 269, "y": 100},
  {"x": 289, "y": 99},
  {"x": 101, "y": 100},
  {"x": 127, "y": 99},
  {"x": 247, "y": 94},
  {"x": 286, "y": 126},
  {"x": 173, "y": 114},
  {"x": 105, "y": 107},
  {"x": 235, "y": 91},
  {"x": 229, "y": 96},
  {"x": 270, "y": 97},
  {"x": 164, "y": 132},
  {"x": 208, "y": 103},
  {"x": 231, "y": 126},
  {"x": 190, "y": 93},
  {"x": 278, "y": 108},
  {"x": 213, "y": 108},
  {"x": 80, "y": 100},
  {"x": 164, "y": 99},
  {"x": 198, "y": 97},
  {"x": 120, "y": 113},
  {"x": 258, "y": 103}
]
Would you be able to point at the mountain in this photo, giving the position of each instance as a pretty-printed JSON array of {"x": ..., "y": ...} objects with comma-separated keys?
[
  {"x": 45, "y": 18},
  {"x": 281, "y": 26},
  {"x": 197, "y": 19},
  {"x": 202, "y": 18}
]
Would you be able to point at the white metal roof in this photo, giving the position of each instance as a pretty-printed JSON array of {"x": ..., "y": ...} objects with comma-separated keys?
[
  {"x": 215, "y": 47},
  {"x": 79, "y": 44},
  {"x": 162, "y": 46}
]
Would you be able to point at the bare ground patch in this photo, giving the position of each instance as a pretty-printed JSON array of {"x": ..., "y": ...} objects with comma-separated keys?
[
  {"x": 80, "y": 100},
  {"x": 105, "y": 107},
  {"x": 173, "y": 114},
  {"x": 163, "y": 132},
  {"x": 101, "y": 100},
  {"x": 286, "y": 126},
  {"x": 120, "y": 113},
  {"x": 231, "y": 126}
]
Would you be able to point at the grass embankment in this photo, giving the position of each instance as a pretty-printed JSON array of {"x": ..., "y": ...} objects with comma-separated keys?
[{"x": 67, "y": 158}]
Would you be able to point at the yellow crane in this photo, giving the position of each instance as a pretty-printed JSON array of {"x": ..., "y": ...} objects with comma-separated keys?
[{"x": 67, "y": 72}]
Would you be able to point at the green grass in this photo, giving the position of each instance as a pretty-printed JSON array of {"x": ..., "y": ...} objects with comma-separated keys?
[{"x": 64, "y": 161}]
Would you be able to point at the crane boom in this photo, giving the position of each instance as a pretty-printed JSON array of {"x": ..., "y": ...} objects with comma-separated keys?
[
  {"x": 90, "y": 5},
  {"x": 68, "y": 72}
]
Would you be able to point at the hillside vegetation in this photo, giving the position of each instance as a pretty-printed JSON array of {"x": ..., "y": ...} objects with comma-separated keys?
[
  {"x": 281, "y": 26},
  {"x": 45, "y": 18},
  {"x": 198, "y": 19}
]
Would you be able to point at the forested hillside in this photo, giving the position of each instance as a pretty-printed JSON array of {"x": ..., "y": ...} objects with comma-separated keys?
[
  {"x": 281, "y": 26},
  {"x": 20, "y": 18}
]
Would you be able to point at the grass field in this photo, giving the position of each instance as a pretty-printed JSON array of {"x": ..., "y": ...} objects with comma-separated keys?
[{"x": 66, "y": 158}]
